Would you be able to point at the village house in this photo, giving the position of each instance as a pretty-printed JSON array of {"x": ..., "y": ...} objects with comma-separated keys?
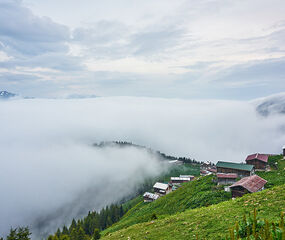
[
  {"x": 212, "y": 170},
  {"x": 162, "y": 188},
  {"x": 205, "y": 165},
  {"x": 204, "y": 172},
  {"x": 181, "y": 179},
  {"x": 241, "y": 169},
  {"x": 226, "y": 178},
  {"x": 259, "y": 161},
  {"x": 284, "y": 151},
  {"x": 187, "y": 176},
  {"x": 176, "y": 162},
  {"x": 249, "y": 184},
  {"x": 150, "y": 197}
]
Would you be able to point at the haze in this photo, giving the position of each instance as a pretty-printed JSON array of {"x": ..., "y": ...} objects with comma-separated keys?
[{"x": 50, "y": 172}]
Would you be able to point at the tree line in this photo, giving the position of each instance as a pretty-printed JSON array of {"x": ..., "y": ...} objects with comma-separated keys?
[{"x": 90, "y": 226}]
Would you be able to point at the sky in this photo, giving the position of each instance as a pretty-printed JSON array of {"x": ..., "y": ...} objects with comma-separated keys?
[{"x": 218, "y": 49}]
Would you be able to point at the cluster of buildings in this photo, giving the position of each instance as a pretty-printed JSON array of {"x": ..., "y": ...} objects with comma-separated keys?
[
  {"x": 161, "y": 189},
  {"x": 239, "y": 178}
]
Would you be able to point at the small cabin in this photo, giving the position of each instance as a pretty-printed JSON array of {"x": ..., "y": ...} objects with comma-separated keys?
[
  {"x": 259, "y": 161},
  {"x": 181, "y": 179},
  {"x": 162, "y": 188},
  {"x": 187, "y": 176},
  {"x": 150, "y": 197},
  {"x": 226, "y": 178},
  {"x": 246, "y": 185},
  {"x": 204, "y": 172},
  {"x": 176, "y": 162},
  {"x": 241, "y": 169}
]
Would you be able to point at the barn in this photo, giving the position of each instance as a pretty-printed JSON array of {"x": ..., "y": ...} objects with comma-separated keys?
[
  {"x": 150, "y": 197},
  {"x": 179, "y": 180},
  {"x": 249, "y": 184},
  {"x": 241, "y": 169},
  {"x": 259, "y": 161},
  {"x": 162, "y": 188},
  {"x": 226, "y": 178}
]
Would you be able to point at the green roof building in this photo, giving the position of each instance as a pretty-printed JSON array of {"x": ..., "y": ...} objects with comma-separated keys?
[{"x": 241, "y": 169}]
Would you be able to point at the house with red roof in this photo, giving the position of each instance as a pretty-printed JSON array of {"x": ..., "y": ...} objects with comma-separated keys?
[
  {"x": 258, "y": 160},
  {"x": 226, "y": 178},
  {"x": 249, "y": 184}
]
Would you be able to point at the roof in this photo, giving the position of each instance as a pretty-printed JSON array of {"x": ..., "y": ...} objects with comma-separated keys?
[
  {"x": 239, "y": 166},
  {"x": 212, "y": 170},
  {"x": 189, "y": 176},
  {"x": 252, "y": 183},
  {"x": 159, "y": 185},
  {"x": 227, "y": 175},
  {"x": 261, "y": 157},
  {"x": 175, "y": 161},
  {"x": 151, "y": 195},
  {"x": 180, "y": 178}
]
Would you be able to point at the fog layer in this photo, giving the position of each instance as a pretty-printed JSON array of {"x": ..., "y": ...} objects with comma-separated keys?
[{"x": 50, "y": 172}]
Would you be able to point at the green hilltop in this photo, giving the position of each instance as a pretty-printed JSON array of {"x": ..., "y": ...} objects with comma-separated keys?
[{"x": 201, "y": 210}]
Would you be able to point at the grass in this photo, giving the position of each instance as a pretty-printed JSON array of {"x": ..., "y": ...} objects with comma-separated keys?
[
  {"x": 207, "y": 222},
  {"x": 195, "y": 194},
  {"x": 200, "y": 209},
  {"x": 277, "y": 176}
]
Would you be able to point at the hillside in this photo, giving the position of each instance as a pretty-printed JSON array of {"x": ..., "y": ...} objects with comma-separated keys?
[
  {"x": 185, "y": 209},
  {"x": 195, "y": 194},
  {"x": 207, "y": 222}
]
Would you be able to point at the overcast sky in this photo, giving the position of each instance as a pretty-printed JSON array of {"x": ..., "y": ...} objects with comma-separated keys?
[{"x": 162, "y": 48}]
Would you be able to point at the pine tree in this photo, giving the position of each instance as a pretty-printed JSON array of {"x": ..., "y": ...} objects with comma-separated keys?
[
  {"x": 13, "y": 234},
  {"x": 64, "y": 237},
  {"x": 23, "y": 233},
  {"x": 73, "y": 234},
  {"x": 96, "y": 234},
  {"x": 81, "y": 234},
  {"x": 65, "y": 230}
]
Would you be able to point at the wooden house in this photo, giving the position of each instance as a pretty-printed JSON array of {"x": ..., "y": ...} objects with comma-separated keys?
[
  {"x": 181, "y": 179},
  {"x": 259, "y": 161},
  {"x": 150, "y": 197},
  {"x": 249, "y": 184},
  {"x": 241, "y": 169},
  {"x": 188, "y": 176},
  {"x": 162, "y": 188},
  {"x": 226, "y": 178}
]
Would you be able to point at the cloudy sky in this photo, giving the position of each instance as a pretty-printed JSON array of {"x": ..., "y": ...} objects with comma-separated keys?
[{"x": 163, "y": 48}]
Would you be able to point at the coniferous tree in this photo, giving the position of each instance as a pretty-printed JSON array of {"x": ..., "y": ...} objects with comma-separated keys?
[
  {"x": 96, "y": 234},
  {"x": 13, "y": 234},
  {"x": 65, "y": 230}
]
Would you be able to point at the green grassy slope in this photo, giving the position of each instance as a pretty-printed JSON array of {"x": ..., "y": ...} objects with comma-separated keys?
[
  {"x": 207, "y": 222},
  {"x": 277, "y": 176},
  {"x": 198, "y": 193}
]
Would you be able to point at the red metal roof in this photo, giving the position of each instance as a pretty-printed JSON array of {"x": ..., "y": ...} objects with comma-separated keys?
[
  {"x": 251, "y": 183},
  {"x": 212, "y": 170},
  {"x": 259, "y": 156},
  {"x": 227, "y": 175}
]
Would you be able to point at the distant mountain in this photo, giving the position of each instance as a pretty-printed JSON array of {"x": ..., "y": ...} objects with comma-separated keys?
[
  {"x": 6, "y": 95},
  {"x": 274, "y": 104},
  {"x": 81, "y": 96},
  {"x": 158, "y": 154}
]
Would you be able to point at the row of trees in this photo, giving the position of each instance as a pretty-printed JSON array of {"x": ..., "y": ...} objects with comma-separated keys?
[
  {"x": 21, "y": 233},
  {"x": 90, "y": 226}
]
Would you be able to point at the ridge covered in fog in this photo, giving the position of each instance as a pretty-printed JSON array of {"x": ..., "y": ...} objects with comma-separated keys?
[{"x": 60, "y": 175}]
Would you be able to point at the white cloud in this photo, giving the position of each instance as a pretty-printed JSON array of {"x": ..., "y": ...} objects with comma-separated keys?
[{"x": 48, "y": 161}]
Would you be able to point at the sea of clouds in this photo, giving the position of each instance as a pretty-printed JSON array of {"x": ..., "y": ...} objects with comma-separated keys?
[{"x": 50, "y": 172}]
